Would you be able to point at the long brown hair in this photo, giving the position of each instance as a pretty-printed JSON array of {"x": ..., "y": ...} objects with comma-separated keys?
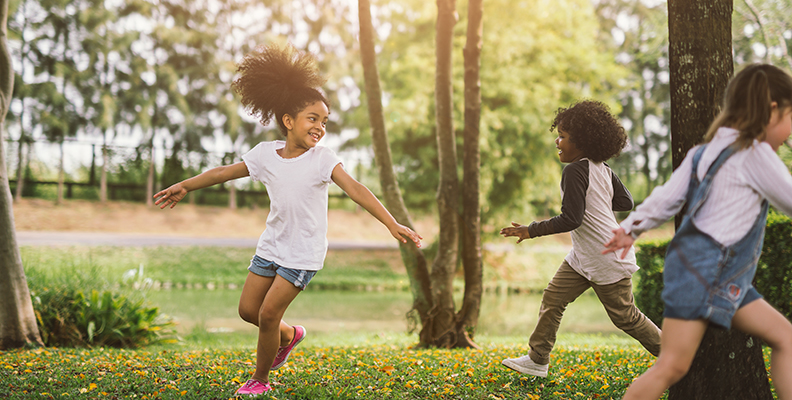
[{"x": 747, "y": 103}]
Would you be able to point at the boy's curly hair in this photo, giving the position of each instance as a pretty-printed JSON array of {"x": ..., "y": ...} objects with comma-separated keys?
[
  {"x": 592, "y": 128},
  {"x": 276, "y": 80}
]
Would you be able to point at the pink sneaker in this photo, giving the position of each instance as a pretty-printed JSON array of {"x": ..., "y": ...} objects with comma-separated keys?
[
  {"x": 283, "y": 352},
  {"x": 252, "y": 388}
]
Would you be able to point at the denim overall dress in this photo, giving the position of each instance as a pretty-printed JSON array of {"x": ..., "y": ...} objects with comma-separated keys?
[{"x": 702, "y": 278}]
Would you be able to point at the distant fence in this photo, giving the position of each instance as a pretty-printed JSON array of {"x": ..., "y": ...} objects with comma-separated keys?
[{"x": 217, "y": 195}]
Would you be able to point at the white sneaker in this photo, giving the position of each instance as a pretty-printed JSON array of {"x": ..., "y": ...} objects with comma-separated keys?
[{"x": 525, "y": 365}]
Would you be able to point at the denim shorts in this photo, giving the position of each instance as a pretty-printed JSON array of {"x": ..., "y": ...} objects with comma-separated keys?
[{"x": 268, "y": 269}]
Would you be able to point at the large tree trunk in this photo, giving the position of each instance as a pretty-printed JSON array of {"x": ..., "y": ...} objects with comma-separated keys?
[
  {"x": 443, "y": 329},
  {"x": 700, "y": 58},
  {"x": 17, "y": 319},
  {"x": 471, "y": 215},
  {"x": 413, "y": 258}
]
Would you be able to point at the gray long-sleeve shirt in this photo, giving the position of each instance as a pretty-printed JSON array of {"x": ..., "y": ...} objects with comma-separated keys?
[{"x": 590, "y": 192}]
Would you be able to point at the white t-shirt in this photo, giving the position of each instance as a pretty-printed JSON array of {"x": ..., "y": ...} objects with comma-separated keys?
[{"x": 296, "y": 232}]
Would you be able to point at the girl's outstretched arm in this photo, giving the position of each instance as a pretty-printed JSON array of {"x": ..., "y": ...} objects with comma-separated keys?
[
  {"x": 176, "y": 192},
  {"x": 620, "y": 240},
  {"x": 361, "y": 195}
]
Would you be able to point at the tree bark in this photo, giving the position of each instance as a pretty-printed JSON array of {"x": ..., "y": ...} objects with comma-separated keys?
[
  {"x": 700, "y": 61},
  {"x": 414, "y": 260},
  {"x": 468, "y": 315},
  {"x": 443, "y": 313},
  {"x": 103, "y": 175},
  {"x": 61, "y": 173},
  {"x": 725, "y": 368},
  {"x": 150, "y": 176},
  {"x": 20, "y": 172},
  {"x": 701, "y": 64},
  {"x": 18, "y": 326}
]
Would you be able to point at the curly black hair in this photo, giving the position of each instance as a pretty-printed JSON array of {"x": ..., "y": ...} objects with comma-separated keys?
[
  {"x": 276, "y": 80},
  {"x": 592, "y": 128}
]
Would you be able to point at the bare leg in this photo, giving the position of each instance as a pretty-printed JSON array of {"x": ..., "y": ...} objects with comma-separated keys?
[
  {"x": 679, "y": 341},
  {"x": 279, "y": 296},
  {"x": 760, "y": 319},
  {"x": 250, "y": 301}
]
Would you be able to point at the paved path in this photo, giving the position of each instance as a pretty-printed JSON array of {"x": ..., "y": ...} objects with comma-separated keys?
[{"x": 48, "y": 238}]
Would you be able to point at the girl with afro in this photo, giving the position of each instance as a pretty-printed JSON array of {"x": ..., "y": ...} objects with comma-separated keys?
[
  {"x": 282, "y": 83},
  {"x": 588, "y": 135}
]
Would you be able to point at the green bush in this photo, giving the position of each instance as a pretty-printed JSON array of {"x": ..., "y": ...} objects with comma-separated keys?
[
  {"x": 76, "y": 311},
  {"x": 773, "y": 275},
  {"x": 650, "y": 256}
]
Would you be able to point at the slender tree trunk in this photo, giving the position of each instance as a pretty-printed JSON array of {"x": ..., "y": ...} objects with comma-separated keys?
[
  {"x": 18, "y": 326},
  {"x": 232, "y": 196},
  {"x": 20, "y": 172},
  {"x": 413, "y": 258},
  {"x": 443, "y": 313},
  {"x": 728, "y": 365},
  {"x": 61, "y": 174},
  {"x": 150, "y": 175},
  {"x": 92, "y": 173},
  {"x": 471, "y": 230},
  {"x": 103, "y": 175}
]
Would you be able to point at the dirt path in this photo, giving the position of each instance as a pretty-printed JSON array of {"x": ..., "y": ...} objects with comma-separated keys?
[{"x": 41, "y": 221}]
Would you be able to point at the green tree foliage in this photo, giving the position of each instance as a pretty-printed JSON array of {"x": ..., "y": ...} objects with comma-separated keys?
[
  {"x": 638, "y": 31},
  {"x": 762, "y": 31},
  {"x": 529, "y": 68}
]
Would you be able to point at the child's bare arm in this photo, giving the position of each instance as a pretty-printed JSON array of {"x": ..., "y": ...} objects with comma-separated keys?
[
  {"x": 517, "y": 230},
  {"x": 363, "y": 196},
  {"x": 176, "y": 192}
]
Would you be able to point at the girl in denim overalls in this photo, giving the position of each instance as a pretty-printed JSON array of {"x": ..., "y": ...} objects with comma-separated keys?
[
  {"x": 726, "y": 184},
  {"x": 282, "y": 83}
]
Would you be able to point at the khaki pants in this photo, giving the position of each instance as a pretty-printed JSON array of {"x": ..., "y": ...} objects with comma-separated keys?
[{"x": 617, "y": 298}]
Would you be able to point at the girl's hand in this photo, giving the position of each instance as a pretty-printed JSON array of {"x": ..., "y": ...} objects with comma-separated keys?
[
  {"x": 520, "y": 231},
  {"x": 402, "y": 233},
  {"x": 171, "y": 195},
  {"x": 620, "y": 240}
]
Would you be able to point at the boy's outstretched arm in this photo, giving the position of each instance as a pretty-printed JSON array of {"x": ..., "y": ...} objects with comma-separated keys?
[
  {"x": 620, "y": 240},
  {"x": 517, "y": 230},
  {"x": 363, "y": 196},
  {"x": 176, "y": 192}
]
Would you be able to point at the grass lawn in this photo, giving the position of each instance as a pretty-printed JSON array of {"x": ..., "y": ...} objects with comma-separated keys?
[
  {"x": 527, "y": 268},
  {"x": 340, "y": 365},
  {"x": 381, "y": 367}
]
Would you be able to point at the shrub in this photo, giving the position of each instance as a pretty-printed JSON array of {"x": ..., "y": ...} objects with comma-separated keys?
[
  {"x": 76, "y": 311},
  {"x": 650, "y": 256},
  {"x": 773, "y": 274}
]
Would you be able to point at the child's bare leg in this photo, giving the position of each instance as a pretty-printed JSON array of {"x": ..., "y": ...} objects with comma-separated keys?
[
  {"x": 679, "y": 341},
  {"x": 250, "y": 301},
  {"x": 760, "y": 319},
  {"x": 278, "y": 298}
]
